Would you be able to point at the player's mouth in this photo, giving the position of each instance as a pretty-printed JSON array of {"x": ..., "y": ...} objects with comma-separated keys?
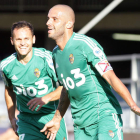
[
  {"x": 50, "y": 30},
  {"x": 23, "y": 48}
]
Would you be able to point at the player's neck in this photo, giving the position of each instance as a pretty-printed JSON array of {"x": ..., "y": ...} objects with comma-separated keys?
[
  {"x": 61, "y": 42},
  {"x": 25, "y": 59}
]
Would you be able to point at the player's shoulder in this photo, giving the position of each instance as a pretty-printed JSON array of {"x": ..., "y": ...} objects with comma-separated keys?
[
  {"x": 86, "y": 42},
  {"x": 8, "y": 61},
  {"x": 83, "y": 39},
  {"x": 42, "y": 52}
]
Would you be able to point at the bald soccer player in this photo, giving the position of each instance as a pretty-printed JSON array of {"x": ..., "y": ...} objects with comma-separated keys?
[{"x": 82, "y": 68}]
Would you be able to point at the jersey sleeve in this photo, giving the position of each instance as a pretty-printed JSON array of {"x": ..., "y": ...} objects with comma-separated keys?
[
  {"x": 4, "y": 76},
  {"x": 96, "y": 56},
  {"x": 50, "y": 66}
]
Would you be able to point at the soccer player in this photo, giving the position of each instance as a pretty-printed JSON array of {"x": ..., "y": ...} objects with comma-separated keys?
[
  {"x": 30, "y": 80},
  {"x": 82, "y": 68}
]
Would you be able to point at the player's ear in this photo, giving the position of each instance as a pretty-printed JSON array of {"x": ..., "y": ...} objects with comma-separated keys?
[
  {"x": 69, "y": 24},
  {"x": 11, "y": 39},
  {"x": 34, "y": 39}
]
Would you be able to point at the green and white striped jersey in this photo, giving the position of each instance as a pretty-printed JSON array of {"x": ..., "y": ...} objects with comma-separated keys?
[
  {"x": 79, "y": 68},
  {"x": 35, "y": 79}
]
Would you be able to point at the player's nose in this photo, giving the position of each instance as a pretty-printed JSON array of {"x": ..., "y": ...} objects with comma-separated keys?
[
  {"x": 22, "y": 42},
  {"x": 49, "y": 22}
]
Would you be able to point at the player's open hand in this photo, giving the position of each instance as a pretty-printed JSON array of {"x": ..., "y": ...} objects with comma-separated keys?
[
  {"x": 136, "y": 109},
  {"x": 33, "y": 103},
  {"x": 51, "y": 128}
]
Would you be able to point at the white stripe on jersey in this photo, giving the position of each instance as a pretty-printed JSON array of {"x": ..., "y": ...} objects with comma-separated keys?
[
  {"x": 8, "y": 58},
  {"x": 47, "y": 55},
  {"x": 7, "y": 61},
  {"x": 84, "y": 41},
  {"x": 43, "y": 54},
  {"x": 89, "y": 42},
  {"x": 115, "y": 117}
]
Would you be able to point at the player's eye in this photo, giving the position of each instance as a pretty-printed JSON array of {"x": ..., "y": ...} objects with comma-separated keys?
[
  {"x": 26, "y": 38},
  {"x": 18, "y": 39},
  {"x": 55, "y": 19}
]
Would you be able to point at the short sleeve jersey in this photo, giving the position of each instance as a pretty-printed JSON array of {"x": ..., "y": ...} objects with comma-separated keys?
[
  {"x": 79, "y": 68},
  {"x": 35, "y": 79}
]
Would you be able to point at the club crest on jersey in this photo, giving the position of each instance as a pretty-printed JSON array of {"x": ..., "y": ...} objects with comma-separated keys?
[
  {"x": 37, "y": 72},
  {"x": 111, "y": 133},
  {"x": 71, "y": 58}
]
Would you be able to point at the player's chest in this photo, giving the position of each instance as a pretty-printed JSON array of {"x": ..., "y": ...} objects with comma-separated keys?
[
  {"x": 71, "y": 66},
  {"x": 69, "y": 60},
  {"x": 23, "y": 74}
]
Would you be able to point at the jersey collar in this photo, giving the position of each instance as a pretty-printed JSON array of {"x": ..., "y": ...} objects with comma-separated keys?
[{"x": 68, "y": 44}]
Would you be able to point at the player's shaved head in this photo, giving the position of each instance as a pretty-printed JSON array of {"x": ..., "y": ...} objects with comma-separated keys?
[
  {"x": 66, "y": 11},
  {"x": 61, "y": 19}
]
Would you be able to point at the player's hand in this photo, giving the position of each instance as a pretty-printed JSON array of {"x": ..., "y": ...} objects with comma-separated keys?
[
  {"x": 33, "y": 103},
  {"x": 14, "y": 126},
  {"x": 51, "y": 128},
  {"x": 136, "y": 109}
]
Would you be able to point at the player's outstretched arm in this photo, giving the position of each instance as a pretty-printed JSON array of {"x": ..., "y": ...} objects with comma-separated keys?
[
  {"x": 121, "y": 89},
  {"x": 55, "y": 95},
  {"x": 10, "y": 99},
  {"x": 51, "y": 128}
]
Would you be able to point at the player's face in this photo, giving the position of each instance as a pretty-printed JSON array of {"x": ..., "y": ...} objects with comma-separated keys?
[
  {"x": 56, "y": 23},
  {"x": 23, "y": 41}
]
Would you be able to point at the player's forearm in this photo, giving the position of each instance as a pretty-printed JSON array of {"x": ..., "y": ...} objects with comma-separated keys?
[
  {"x": 121, "y": 89},
  {"x": 55, "y": 95},
  {"x": 10, "y": 99},
  {"x": 62, "y": 107}
]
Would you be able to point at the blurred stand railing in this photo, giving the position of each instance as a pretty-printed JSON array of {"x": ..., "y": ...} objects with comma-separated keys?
[{"x": 134, "y": 81}]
